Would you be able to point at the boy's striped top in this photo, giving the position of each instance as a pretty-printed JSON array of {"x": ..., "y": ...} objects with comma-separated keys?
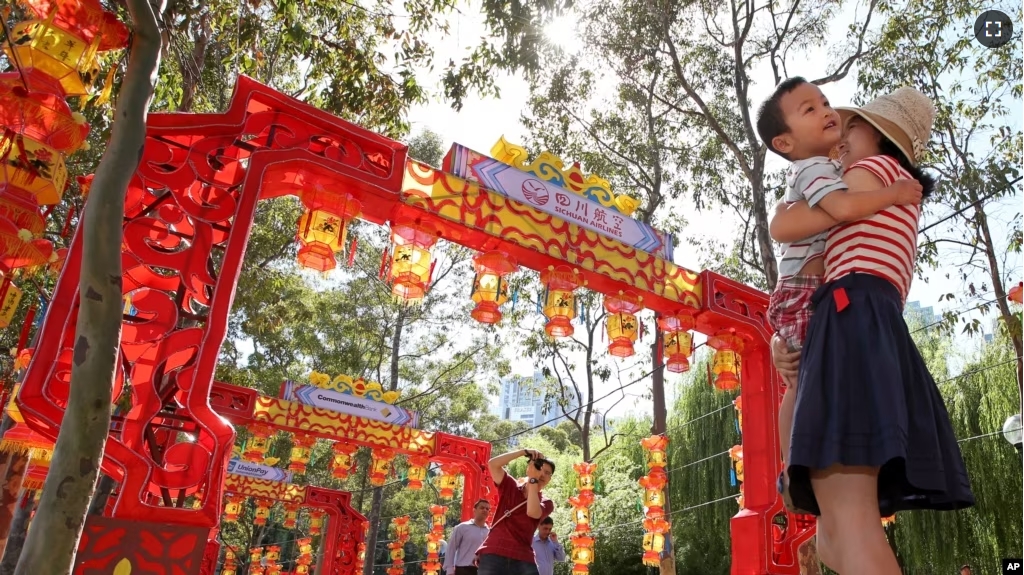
[
  {"x": 811, "y": 179},
  {"x": 885, "y": 244}
]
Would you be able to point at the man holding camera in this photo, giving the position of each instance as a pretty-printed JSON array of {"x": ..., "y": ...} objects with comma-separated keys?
[{"x": 508, "y": 548}]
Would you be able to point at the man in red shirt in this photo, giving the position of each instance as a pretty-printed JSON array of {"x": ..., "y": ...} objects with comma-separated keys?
[{"x": 508, "y": 548}]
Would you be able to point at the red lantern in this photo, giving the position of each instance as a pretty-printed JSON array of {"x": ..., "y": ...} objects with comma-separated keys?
[
  {"x": 411, "y": 260},
  {"x": 448, "y": 480},
  {"x": 621, "y": 323},
  {"x": 262, "y": 511},
  {"x": 490, "y": 290},
  {"x": 560, "y": 299},
  {"x": 258, "y": 443},
  {"x": 324, "y": 226},
  {"x": 381, "y": 465},
  {"x": 1016, "y": 293},
  {"x": 291, "y": 515},
  {"x": 677, "y": 342}
]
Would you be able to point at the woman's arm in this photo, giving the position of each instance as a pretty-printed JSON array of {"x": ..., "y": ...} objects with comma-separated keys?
[
  {"x": 865, "y": 197},
  {"x": 497, "y": 463}
]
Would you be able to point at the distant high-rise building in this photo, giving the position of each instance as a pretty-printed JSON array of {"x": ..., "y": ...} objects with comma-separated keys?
[
  {"x": 522, "y": 399},
  {"x": 925, "y": 314}
]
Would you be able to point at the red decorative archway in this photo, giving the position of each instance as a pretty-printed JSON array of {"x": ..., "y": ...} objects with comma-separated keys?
[{"x": 188, "y": 215}]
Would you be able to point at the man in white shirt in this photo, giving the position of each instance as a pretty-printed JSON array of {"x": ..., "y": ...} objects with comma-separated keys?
[
  {"x": 466, "y": 538},
  {"x": 546, "y": 547}
]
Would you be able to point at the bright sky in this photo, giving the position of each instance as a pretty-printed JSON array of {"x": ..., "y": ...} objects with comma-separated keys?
[{"x": 482, "y": 121}]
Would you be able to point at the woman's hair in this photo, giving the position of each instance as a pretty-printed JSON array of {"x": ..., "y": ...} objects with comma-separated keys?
[{"x": 887, "y": 148}]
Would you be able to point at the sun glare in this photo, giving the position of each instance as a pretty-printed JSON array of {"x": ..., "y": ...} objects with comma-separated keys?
[{"x": 561, "y": 31}]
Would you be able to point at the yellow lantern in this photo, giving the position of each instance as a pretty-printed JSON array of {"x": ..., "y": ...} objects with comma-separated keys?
[
  {"x": 417, "y": 471},
  {"x": 656, "y": 446},
  {"x": 324, "y": 225},
  {"x": 559, "y": 299},
  {"x": 233, "y": 508},
  {"x": 34, "y": 167},
  {"x": 341, "y": 465},
  {"x": 301, "y": 447},
  {"x": 677, "y": 341},
  {"x": 262, "y": 511},
  {"x": 230, "y": 566},
  {"x": 584, "y": 475},
  {"x": 726, "y": 362},
  {"x": 316, "y": 521},
  {"x": 448, "y": 480},
  {"x": 411, "y": 260},
  {"x": 622, "y": 324},
  {"x": 360, "y": 556},
  {"x": 381, "y": 465},
  {"x": 291, "y": 515},
  {"x": 490, "y": 290},
  {"x": 654, "y": 544},
  {"x": 437, "y": 514},
  {"x": 255, "y": 560},
  {"x": 273, "y": 554},
  {"x": 258, "y": 443},
  {"x": 582, "y": 549},
  {"x": 401, "y": 527},
  {"x": 736, "y": 454},
  {"x": 9, "y": 300},
  {"x": 581, "y": 514}
]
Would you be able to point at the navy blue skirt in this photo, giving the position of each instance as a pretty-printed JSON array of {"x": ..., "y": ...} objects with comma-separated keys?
[{"x": 865, "y": 398}]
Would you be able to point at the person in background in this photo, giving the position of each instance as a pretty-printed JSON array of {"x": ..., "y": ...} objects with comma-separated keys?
[
  {"x": 547, "y": 548},
  {"x": 467, "y": 537},
  {"x": 508, "y": 550},
  {"x": 965, "y": 570}
]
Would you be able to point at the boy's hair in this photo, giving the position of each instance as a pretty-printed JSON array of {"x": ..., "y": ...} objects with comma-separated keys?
[
  {"x": 547, "y": 521},
  {"x": 771, "y": 122}
]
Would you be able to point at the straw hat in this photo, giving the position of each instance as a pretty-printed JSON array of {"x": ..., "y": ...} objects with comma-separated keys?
[{"x": 905, "y": 117}]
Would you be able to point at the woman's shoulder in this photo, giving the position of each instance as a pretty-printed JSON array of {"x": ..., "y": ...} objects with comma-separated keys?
[{"x": 886, "y": 168}]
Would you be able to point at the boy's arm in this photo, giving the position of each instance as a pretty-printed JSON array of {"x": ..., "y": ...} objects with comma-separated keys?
[{"x": 796, "y": 221}]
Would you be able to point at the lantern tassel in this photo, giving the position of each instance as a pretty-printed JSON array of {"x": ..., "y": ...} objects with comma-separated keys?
[
  {"x": 27, "y": 327},
  {"x": 352, "y": 252},
  {"x": 108, "y": 87},
  {"x": 383, "y": 264}
]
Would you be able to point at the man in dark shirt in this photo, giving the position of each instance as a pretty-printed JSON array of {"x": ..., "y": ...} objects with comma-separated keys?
[{"x": 508, "y": 548}]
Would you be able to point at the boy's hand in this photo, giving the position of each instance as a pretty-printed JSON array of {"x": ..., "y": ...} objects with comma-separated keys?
[
  {"x": 786, "y": 362},
  {"x": 907, "y": 192}
]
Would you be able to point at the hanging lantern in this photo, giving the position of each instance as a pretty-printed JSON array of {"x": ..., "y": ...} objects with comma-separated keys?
[
  {"x": 401, "y": 527},
  {"x": 738, "y": 404},
  {"x": 34, "y": 167},
  {"x": 417, "y": 471},
  {"x": 654, "y": 493},
  {"x": 255, "y": 561},
  {"x": 19, "y": 249},
  {"x": 580, "y": 513},
  {"x": 291, "y": 515},
  {"x": 437, "y": 514},
  {"x": 560, "y": 299},
  {"x": 58, "y": 49},
  {"x": 230, "y": 566},
  {"x": 262, "y": 511},
  {"x": 10, "y": 297},
  {"x": 448, "y": 480},
  {"x": 582, "y": 552},
  {"x": 736, "y": 454},
  {"x": 381, "y": 465},
  {"x": 1016, "y": 293},
  {"x": 258, "y": 443},
  {"x": 316, "y": 521},
  {"x": 233, "y": 508},
  {"x": 886, "y": 521},
  {"x": 621, "y": 323},
  {"x": 411, "y": 260},
  {"x": 677, "y": 341},
  {"x": 656, "y": 446},
  {"x": 584, "y": 475},
  {"x": 726, "y": 362},
  {"x": 273, "y": 554},
  {"x": 301, "y": 447},
  {"x": 654, "y": 540},
  {"x": 305, "y": 557},
  {"x": 490, "y": 290},
  {"x": 323, "y": 227},
  {"x": 342, "y": 464},
  {"x": 39, "y": 113}
]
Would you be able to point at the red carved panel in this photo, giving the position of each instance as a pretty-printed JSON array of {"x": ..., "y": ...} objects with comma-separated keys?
[
  {"x": 151, "y": 548},
  {"x": 344, "y": 527}
]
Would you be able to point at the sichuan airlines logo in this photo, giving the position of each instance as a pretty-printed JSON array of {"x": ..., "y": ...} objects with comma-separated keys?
[{"x": 536, "y": 192}]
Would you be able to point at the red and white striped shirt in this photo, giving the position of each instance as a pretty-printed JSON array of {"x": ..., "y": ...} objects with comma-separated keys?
[{"x": 884, "y": 244}]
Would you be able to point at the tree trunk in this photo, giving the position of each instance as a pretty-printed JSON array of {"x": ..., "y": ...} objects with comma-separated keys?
[
  {"x": 1010, "y": 323},
  {"x": 808, "y": 557},
  {"x": 19, "y": 529},
  {"x": 53, "y": 537},
  {"x": 103, "y": 490},
  {"x": 14, "y": 473},
  {"x": 660, "y": 426},
  {"x": 378, "y": 492},
  {"x": 192, "y": 67}
]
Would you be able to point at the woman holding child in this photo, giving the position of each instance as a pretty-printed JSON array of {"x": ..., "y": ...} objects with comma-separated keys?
[{"x": 870, "y": 435}]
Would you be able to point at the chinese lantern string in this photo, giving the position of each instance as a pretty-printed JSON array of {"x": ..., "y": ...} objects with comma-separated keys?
[{"x": 10, "y": 43}]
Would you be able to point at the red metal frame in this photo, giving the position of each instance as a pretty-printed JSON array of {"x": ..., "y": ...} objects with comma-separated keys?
[{"x": 195, "y": 193}]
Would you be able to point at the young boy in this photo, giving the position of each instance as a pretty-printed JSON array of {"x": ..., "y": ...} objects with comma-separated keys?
[{"x": 798, "y": 123}]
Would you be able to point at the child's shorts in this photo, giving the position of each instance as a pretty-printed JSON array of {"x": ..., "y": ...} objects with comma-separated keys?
[{"x": 789, "y": 309}]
